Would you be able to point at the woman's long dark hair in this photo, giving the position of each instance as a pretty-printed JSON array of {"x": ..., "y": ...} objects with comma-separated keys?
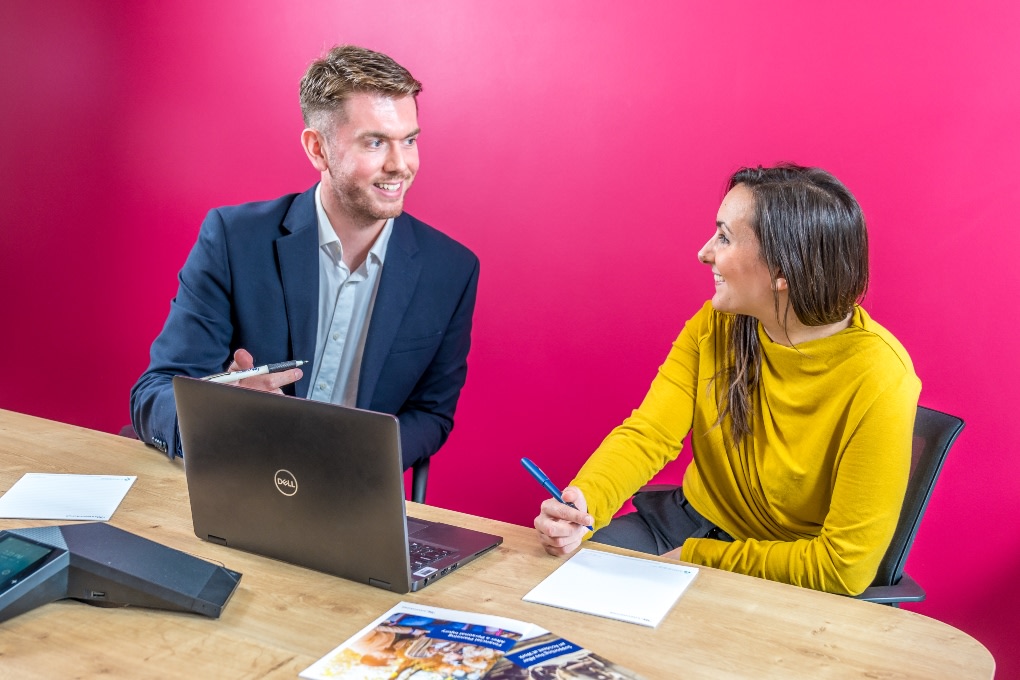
[{"x": 811, "y": 231}]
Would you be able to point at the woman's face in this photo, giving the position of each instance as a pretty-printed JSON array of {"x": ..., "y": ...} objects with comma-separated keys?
[{"x": 743, "y": 284}]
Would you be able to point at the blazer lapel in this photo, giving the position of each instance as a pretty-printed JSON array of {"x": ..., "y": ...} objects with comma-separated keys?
[
  {"x": 396, "y": 288},
  {"x": 297, "y": 252}
]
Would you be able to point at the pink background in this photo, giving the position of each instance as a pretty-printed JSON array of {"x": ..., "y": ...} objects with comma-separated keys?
[{"x": 580, "y": 148}]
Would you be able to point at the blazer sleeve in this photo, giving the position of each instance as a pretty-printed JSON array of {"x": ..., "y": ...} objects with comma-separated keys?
[
  {"x": 195, "y": 340},
  {"x": 426, "y": 417}
]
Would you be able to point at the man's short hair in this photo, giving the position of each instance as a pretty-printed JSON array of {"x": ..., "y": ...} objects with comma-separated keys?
[{"x": 346, "y": 70}]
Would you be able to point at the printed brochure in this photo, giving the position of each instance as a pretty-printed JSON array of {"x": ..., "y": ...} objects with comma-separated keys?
[
  {"x": 550, "y": 657},
  {"x": 417, "y": 642}
]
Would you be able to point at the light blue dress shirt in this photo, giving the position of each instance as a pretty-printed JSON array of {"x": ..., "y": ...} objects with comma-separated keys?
[{"x": 346, "y": 301}]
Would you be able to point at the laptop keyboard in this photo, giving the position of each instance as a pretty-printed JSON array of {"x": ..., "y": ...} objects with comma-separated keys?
[{"x": 422, "y": 555}]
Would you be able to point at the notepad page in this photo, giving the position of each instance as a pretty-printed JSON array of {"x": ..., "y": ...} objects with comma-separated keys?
[
  {"x": 615, "y": 586},
  {"x": 63, "y": 496}
]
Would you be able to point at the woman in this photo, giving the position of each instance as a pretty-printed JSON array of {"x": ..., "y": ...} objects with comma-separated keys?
[{"x": 800, "y": 406}]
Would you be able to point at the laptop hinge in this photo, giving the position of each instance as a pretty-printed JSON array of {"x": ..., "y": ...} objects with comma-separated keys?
[
  {"x": 215, "y": 539},
  {"x": 379, "y": 584}
]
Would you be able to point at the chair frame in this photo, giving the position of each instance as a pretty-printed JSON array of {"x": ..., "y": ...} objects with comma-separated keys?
[
  {"x": 419, "y": 480},
  {"x": 935, "y": 433}
]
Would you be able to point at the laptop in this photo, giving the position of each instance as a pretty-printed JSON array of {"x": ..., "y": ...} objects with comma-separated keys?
[{"x": 311, "y": 483}]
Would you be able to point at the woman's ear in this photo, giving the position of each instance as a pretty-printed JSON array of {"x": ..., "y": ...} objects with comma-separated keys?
[{"x": 779, "y": 282}]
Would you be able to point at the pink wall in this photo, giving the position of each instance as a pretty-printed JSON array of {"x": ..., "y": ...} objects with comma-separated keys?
[{"x": 580, "y": 149}]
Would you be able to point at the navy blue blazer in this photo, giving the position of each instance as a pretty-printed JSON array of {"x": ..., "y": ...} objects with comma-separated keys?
[{"x": 252, "y": 281}]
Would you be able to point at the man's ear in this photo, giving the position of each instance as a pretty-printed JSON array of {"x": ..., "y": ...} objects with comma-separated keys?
[{"x": 315, "y": 148}]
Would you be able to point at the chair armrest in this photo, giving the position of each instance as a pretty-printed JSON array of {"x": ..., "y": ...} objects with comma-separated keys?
[
  {"x": 907, "y": 590},
  {"x": 657, "y": 487}
]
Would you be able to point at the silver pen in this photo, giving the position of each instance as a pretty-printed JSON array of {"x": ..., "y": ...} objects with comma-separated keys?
[{"x": 252, "y": 372}]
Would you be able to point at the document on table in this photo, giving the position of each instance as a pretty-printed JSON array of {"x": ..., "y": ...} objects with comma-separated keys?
[
  {"x": 615, "y": 586},
  {"x": 77, "y": 497}
]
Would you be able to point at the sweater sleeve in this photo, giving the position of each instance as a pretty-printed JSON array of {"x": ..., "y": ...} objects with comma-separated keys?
[
  {"x": 653, "y": 434},
  {"x": 870, "y": 481}
]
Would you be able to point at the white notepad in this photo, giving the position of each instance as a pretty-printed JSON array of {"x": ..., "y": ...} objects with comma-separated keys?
[
  {"x": 615, "y": 586},
  {"x": 39, "y": 495}
]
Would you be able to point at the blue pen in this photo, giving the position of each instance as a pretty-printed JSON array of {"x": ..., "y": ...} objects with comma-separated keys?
[{"x": 542, "y": 479}]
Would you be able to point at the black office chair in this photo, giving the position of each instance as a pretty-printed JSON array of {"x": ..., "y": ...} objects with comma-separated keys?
[
  {"x": 419, "y": 480},
  {"x": 419, "y": 471},
  {"x": 934, "y": 434}
]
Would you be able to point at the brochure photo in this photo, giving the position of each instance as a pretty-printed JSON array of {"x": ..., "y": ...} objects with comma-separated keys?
[
  {"x": 550, "y": 657},
  {"x": 423, "y": 643}
]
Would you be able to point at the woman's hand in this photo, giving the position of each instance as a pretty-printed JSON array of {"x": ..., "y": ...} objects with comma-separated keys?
[{"x": 561, "y": 527}]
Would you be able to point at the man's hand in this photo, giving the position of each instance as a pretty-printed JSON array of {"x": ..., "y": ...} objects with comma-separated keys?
[
  {"x": 271, "y": 382},
  {"x": 561, "y": 527}
]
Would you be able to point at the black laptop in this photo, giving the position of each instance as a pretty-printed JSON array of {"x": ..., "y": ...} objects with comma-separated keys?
[{"x": 310, "y": 483}]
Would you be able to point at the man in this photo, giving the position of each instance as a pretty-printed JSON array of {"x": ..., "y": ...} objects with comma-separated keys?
[{"x": 378, "y": 302}]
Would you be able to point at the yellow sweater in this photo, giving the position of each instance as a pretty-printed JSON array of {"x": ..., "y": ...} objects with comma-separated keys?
[{"x": 814, "y": 496}]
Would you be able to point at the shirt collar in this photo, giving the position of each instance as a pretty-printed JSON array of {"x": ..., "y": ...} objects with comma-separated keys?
[{"x": 331, "y": 242}]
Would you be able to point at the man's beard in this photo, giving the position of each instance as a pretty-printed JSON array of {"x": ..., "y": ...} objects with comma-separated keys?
[{"x": 360, "y": 205}]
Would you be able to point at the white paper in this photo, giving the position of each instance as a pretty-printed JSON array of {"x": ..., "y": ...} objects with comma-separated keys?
[
  {"x": 615, "y": 586},
  {"x": 77, "y": 497}
]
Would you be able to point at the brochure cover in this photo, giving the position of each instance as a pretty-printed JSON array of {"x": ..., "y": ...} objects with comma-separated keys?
[
  {"x": 416, "y": 642},
  {"x": 550, "y": 657}
]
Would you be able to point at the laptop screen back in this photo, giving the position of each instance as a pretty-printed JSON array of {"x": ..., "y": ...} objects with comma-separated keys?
[{"x": 306, "y": 482}]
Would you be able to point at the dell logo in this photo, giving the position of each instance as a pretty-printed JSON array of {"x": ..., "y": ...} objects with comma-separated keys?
[{"x": 285, "y": 482}]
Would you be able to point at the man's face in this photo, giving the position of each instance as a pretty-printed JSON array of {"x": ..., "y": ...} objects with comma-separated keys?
[{"x": 372, "y": 155}]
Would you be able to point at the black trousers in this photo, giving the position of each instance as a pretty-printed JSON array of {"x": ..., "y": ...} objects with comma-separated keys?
[{"x": 662, "y": 521}]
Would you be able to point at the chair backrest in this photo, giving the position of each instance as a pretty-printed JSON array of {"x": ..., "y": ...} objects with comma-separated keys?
[{"x": 934, "y": 434}]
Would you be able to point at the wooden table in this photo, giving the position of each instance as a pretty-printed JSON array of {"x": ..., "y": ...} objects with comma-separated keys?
[{"x": 282, "y": 618}]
